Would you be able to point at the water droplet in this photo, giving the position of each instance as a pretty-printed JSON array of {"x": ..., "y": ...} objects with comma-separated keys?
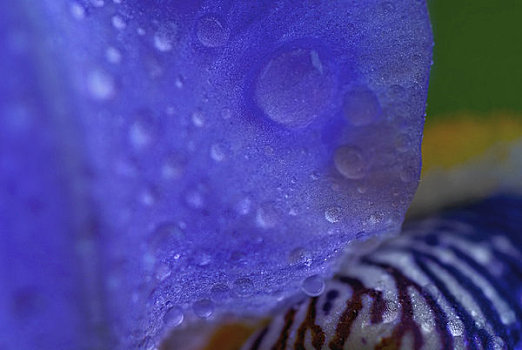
[
  {"x": 267, "y": 216},
  {"x": 313, "y": 286},
  {"x": 141, "y": 132},
  {"x": 195, "y": 199},
  {"x": 113, "y": 55},
  {"x": 172, "y": 169},
  {"x": 402, "y": 143},
  {"x": 163, "y": 235},
  {"x": 333, "y": 214},
  {"x": 100, "y": 85},
  {"x": 220, "y": 293},
  {"x": 173, "y": 317},
  {"x": 350, "y": 162},
  {"x": 211, "y": 32},
  {"x": 300, "y": 256},
  {"x": 243, "y": 206},
  {"x": 292, "y": 89},
  {"x": 202, "y": 259},
  {"x": 387, "y": 7},
  {"x": 162, "y": 272},
  {"x": 243, "y": 287},
  {"x": 361, "y": 107},
  {"x": 397, "y": 92},
  {"x": 203, "y": 308},
  {"x": 148, "y": 197},
  {"x": 217, "y": 152},
  {"x": 198, "y": 119},
  {"x": 77, "y": 11},
  {"x": 179, "y": 82},
  {"x": 164, "y": 38},
  {"x": 391, "y": 311},
  {"x": 97, "y": 3},
  {"x": 226, "y": 113},
  {"x": 407, "y": 175},
  {"x": 118, "y": 22}
]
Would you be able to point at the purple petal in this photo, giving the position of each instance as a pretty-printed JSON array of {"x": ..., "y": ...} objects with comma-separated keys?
[{"x": 205, "y": 156}]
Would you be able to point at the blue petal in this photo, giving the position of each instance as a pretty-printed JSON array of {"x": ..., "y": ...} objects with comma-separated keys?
[{"x": 201, "y": 157}]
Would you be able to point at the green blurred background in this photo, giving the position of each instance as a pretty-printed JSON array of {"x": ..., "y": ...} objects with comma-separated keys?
[{"x": 477, "y": 57}]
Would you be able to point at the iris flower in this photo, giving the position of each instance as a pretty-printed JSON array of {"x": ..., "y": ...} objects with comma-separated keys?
[{"x": 169, "y": 164}]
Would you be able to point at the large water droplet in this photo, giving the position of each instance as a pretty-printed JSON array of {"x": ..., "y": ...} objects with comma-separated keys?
[
  {"x": 350, "y": 162},
  {"x": 173, "y": 317},
  {"x": 313, "y": 286},
  {"x": 293, "y": 88},
  {"x": 211, "y": 32},
  {"x": 203, "y": 308}
]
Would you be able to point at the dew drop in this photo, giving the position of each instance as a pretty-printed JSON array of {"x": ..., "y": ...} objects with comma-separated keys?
[
  {"x": 77, "y": 11},
  {"x": 202, "y": 259},
  {"x": 220, "y": 293},
  {"x": 179, "y": 82},
  {"x": 243, "y": 206},
  {"x": 267, "y": 216},
  {"x": 313, "y": 286},
  {"x": 97, "y": 3},
  {"x": 391, "y": 312},
  {"x": 210, "y": 32},
  {"x": 361, "y": 107},
  {"x": 333, "y": 214},
  {"x": 162, "y": 272},
  {"x": 113, "y": 55},
  {"x": 198, "y": 119},
  {"x": 226, "y": 113},
  {"x": 148, "y": 197},
  {"x": 118, "y": 22},
  {"x": 292, "y": 88},
  {"x": 217, "y": 152},
  {"x": 408, "y": 174},
  {"x": 164, "y": 38},
  {"x": 195, "y": 199},
  {"x": 300, "y": 256},
  {"x": 100, "y": 85},
  {"x": 162, "y": 236},
  {"x": 173, "y": 317},
  {"x": 243, "y": 287},
  {"x": 350, "y": 162},
  {"x": 402, "y": 143},
  {"x": 141, "y": 132},
  {"x": 203, "y": 308}
]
